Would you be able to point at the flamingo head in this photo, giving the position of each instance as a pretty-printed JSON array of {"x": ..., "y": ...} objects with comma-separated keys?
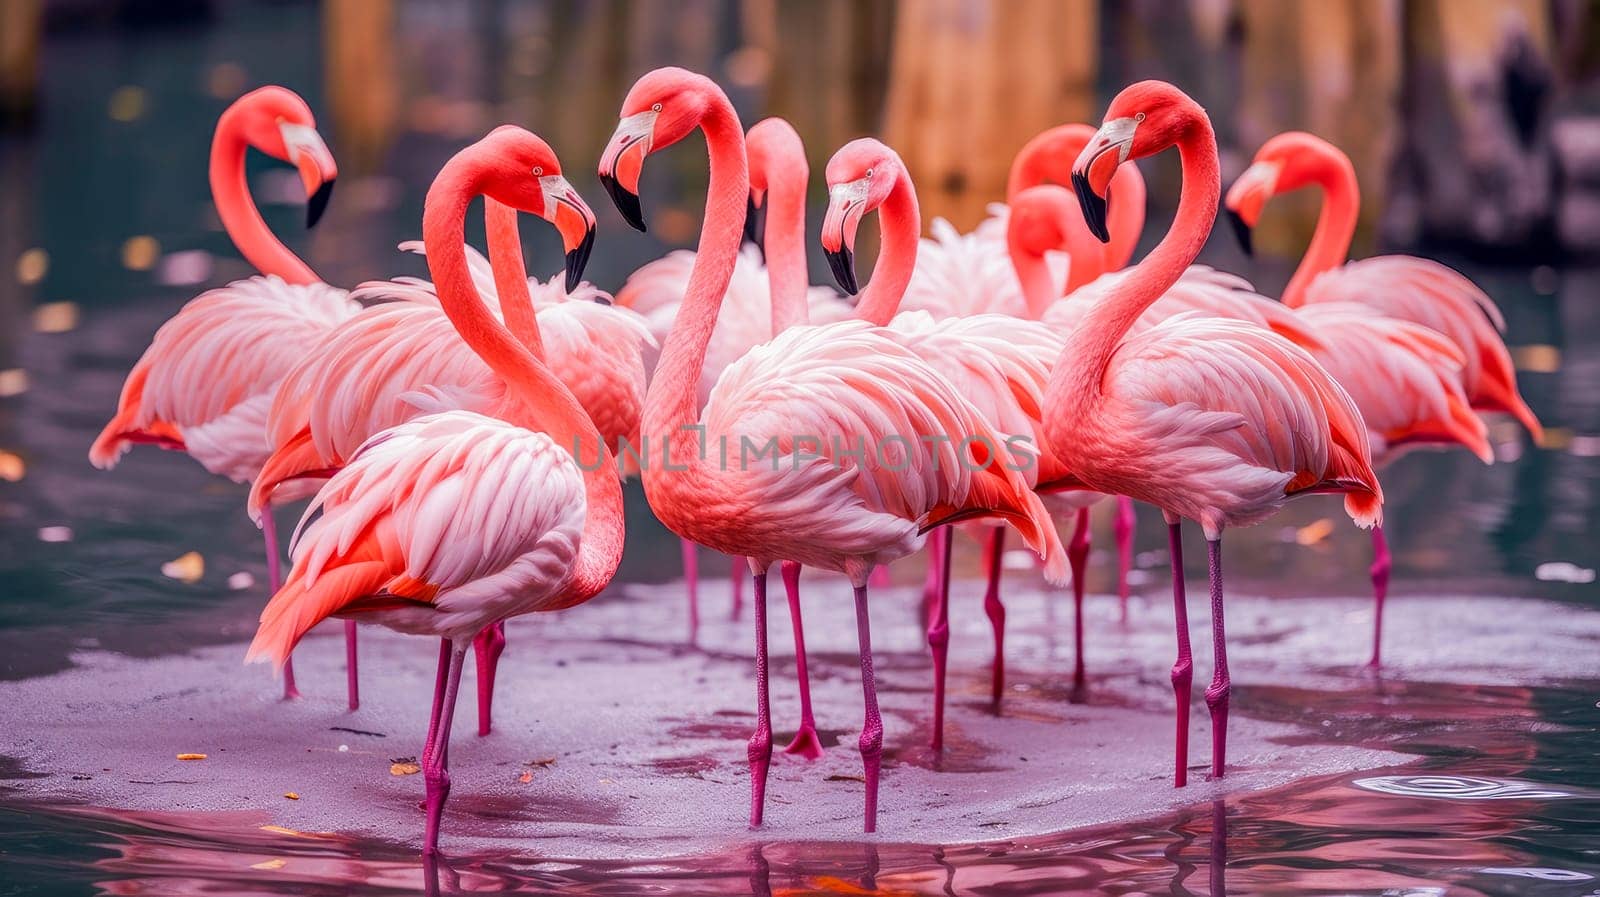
[
  {"x": 1289, "y": 161},
  {"x": 278, "y": 122},
  {"x": 1144, "y": 119},
  {"x": 661, "y": 109},
  {"x": 1048, "y": 157},
  {"x": 860, "y": 177},
  {"x": 523, "y": 172},
  {"x": 1040, "y": 220},
  {"x": 772, "y": 144}
]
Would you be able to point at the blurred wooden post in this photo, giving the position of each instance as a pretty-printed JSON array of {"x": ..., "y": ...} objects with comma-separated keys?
[
  {"x": 971, "y": 81},
  {"x": 1477, "y": 160},
  {"x": 830, "y": 68},
  {"x": 21, "y": 22},
  {"x": 1331, "y": 68},
  {"x": 360, "y": 79}
]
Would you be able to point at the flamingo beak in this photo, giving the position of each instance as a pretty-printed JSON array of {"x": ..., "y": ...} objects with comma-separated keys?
[
  {"x": 308, "y": 153},
  {"x": 1247, "y": 197},
  {"x": 755, "y": 221},
  {"x": 847, "y": 202},
  {"x": 572, "y": 217},
  {"x": 623, "y": 160},
  {"x": 1092, "y": 172}
]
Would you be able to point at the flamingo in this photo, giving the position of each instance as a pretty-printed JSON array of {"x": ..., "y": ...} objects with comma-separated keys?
[
  {"x": 999, "y": 362},
  {"x": 764, "y": 271},
  {"x": 1398, "y": 286},
  {"x": 1217, "y": 420},
  {"x": 453, "y": 521},
  {"x": 205, "y": 383},
  {"x": 835, "y": 398},
  {"x": 362, "y": 379}
]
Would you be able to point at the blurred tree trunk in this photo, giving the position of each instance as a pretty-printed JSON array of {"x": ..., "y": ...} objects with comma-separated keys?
[
  {"x": 971, "y": 81},
  {"x": 830, "y": 70},
  {"x": 1477, "y": 165},
  {"x": 1332, "y": 69},
  {"x": 21, "y": 23},
  {"x": 358, "y": 71}
]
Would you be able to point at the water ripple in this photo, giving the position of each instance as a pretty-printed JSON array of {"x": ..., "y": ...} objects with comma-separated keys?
[{"x": 1452, "y": 787}]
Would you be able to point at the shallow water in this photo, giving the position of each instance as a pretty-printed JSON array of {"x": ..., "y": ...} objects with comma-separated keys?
[{"x": 1503, "y": 798}]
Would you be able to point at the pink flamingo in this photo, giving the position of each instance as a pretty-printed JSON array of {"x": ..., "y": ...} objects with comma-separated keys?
[
  {"x": 1399, "y": 287},
  {"x": 371, "y": 374},
  {"x": 204, "y": 385},
  {"x": 999, "y": 362},
  {"x": 1217, "y": 420},
  {"x": 764, "y": 275},
  {"x": 829, "y": 396},
  {"x": 453, "y": 521}
]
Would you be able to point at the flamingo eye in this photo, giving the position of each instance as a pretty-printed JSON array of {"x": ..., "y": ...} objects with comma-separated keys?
[
  {"x": 1138, "y": 116},
  {"x": 655, "y": 107},
  {"x": 538, "y": 171},
  {"x": 869, "y": 172}
]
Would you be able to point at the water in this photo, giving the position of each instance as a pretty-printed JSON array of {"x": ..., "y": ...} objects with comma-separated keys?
[{"x": 119, "y": 154}]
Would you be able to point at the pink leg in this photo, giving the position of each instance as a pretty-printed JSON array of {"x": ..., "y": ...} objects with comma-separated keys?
[
  {"x": 1078, "y": 559},
  {"x": 352, "y": 678},
  {"x": 269, "y": 534},
  {"x": 994, "y": 549},
  {"x": 939, "y": 638},
  {"x": 438, "y": 699},
  {"x": 879, "y": 577},
  {"x": 691, "y": 581},
  {"x": 760, "y": 747},
  {"x": 436, "y": 754},
  {"x": 871, "y": 742},
  {"x": 1183, "y": 669},
  {"x": 486, "y": 649},
  {"x": 1380, "y": 590},
  {"x": 1217, "y": 693},
  {"x": 805, "y": 743},
  {"x": 930, "y": 583},
  {"x": 736, "y": 580},
  {"x": 1123, "y": 526}
]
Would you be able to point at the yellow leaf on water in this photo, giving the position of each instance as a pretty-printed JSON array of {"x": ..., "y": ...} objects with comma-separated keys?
[
  {"x": 404, "y": 769},
  {"x": 191, "y": 756},
  {"x": 187, "y": 568},
  {"x": 270, "y": 864},
  {"x": 292, "y": 795},
  {"x": 1314, "y": 532}
]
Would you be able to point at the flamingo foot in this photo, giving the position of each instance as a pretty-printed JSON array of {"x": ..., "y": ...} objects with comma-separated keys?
[
  {"x": 736, "y": 576},
  {"x": 1183, "y": 669},
  {"x": 1381, "y": 564},
  {"x": 871, "y": 741},
  {"x": 1078, "y": 560},
  {"x": 691, "y": 583},
  {"x": 1123, "y": 526},
  {"x": 436, "y": 752},
  {"x": 486, "y": 649},
  {"x": 352, "y": 677},
  {"x": 807, "y": 743},
  {"x": 1221, "y": 686},
  {"x": 290, "y": 692},
  {"x": 760, "y": 747},
  {"x": 993, "y": 550}
]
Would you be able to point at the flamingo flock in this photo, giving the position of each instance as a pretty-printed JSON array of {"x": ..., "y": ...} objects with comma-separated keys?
[{"x": 464, "y": 440}]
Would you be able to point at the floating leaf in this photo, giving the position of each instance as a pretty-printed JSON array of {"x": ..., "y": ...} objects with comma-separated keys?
[
  {"x": 191, "y": 756},
  {"x": 1314, "y": 532},
  {"x": 186, "y": 568},
  {"x": 292, "y": 795},
  {"x": 404, "y": 769},
  {"x": 272, "y": 863}
]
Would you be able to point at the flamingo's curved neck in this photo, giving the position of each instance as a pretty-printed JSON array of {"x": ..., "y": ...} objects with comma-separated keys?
[
  {"x": 901, "y": 223},
  {"x": 550, "y": 407},
  {"x": 785, "y": 239},
  {"x": 1077, "y": 376},
  {"x": 670, "y": 406},
  {"x": 1336, "y": 223},
  {"x": 1125, "y": 220},
  {"x": 511, "y": 274},
  {"x": 1033, "y": 273},
  {"x": 240, "y": 217}
]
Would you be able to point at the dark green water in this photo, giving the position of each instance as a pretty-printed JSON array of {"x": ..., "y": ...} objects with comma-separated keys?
[{"x": 84, "y": 182}]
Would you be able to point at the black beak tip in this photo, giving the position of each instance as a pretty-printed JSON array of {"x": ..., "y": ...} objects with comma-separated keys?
[
  {"x": 755, "y": 225},
  {"x": 1242, "y": 231},
  {"x": 626, "y": 201},
  {"x": 318, "y": 203},
  {"x": 1093, "y": 205},
  {"x": 578, "y": 260},
  {"x": 843, "y": 265}
]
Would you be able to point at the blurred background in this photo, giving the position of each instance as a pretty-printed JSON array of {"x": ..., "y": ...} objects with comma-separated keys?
[{"x": 1474, "y": 126}]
